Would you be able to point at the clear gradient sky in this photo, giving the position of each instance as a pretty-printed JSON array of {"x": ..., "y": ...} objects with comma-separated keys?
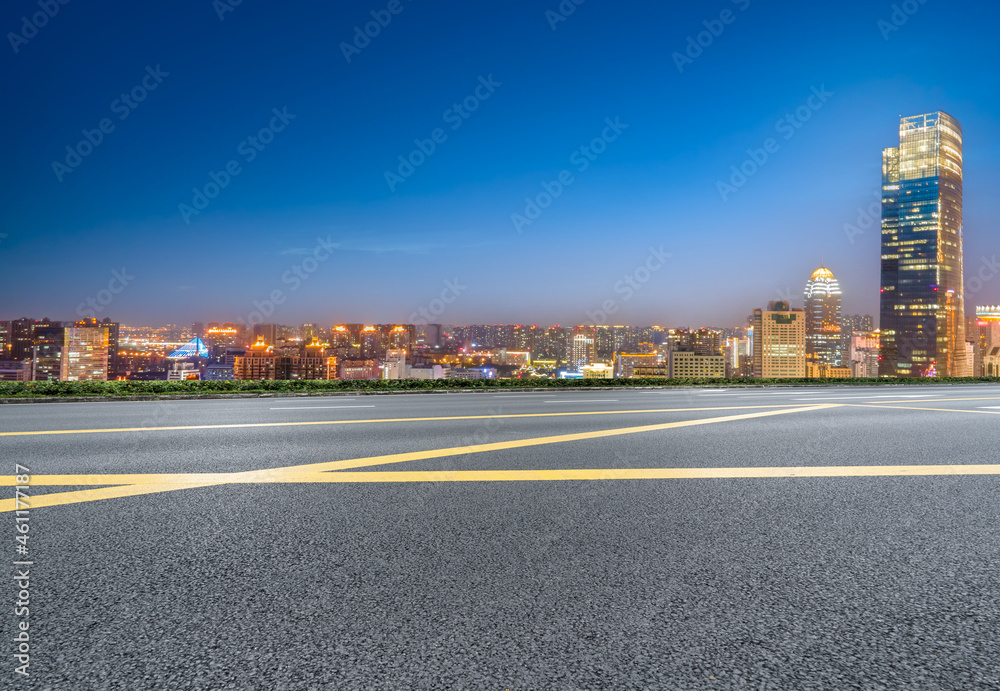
[{"x": 216, "y": 82}]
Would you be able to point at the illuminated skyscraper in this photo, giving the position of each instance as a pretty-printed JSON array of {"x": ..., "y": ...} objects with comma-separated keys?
[
  {"x": 922, "y": 312},
  {"x": 583, "y": 347},
  {"x": 823, "y": 336}
]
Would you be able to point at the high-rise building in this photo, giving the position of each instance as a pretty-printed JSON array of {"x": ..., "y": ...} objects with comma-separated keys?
[
  {"x": 823, "y": 328},
  {"x": 6, "y": 333},
  {"x": 737, "y": 353},
  {"x": 583, "y": 347},
  {"x": 72, "y": 353},
  {"x": 85, "y": 354},
  {"x": 851, "y": 323},
  {"x": 112, "y": 329},
  {"x": 266, "y": 332},
  {"x": 863, "y": 354},
  {"x": 308, "y": 332},
  {"x": 22, "y": 338},
  {"x": 922, "y": 310},
  {"x": 399, "y": 337},
  {"x": 47, "y": 353},
  {"x": 779, "y": 342},
  {"x": 988, "y": 321},
  {"x": 394, "y": 366},
  {"x": 372, "y": 342},
  {"x": 429, "y": 335}
]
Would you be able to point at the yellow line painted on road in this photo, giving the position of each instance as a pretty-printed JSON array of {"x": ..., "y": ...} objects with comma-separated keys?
[
  {"x": 939, "y": 410},
  {"x": 155, "y": 483},
  {"x": 645, "y": 473},
  {"x": 932, "y": 400},
  {"x": 37, "y": 501},
  {"x": 103, "y": 480},
  {"x": 585, "y": 474}
]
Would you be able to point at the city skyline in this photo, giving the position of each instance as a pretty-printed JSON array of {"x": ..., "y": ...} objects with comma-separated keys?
[{"x": 750, "y": 183}]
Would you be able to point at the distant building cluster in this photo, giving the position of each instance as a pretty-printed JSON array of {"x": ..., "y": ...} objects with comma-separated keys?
[{"x": 923, "y": 329}]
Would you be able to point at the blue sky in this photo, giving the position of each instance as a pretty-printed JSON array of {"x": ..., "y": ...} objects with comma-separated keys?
[{"x": 216, "y": 82}]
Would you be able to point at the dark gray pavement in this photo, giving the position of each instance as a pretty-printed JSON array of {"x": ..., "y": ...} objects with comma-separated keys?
[{"x": 732, "y": 583}]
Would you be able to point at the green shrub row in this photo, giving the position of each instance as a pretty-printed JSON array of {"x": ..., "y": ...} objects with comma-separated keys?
[{"x": 158, "y": 388}]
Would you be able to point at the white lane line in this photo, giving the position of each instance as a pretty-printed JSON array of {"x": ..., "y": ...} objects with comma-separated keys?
[
  {"x": 842, "y": 398},
  {"x": 589, "y": 400},
  {"x": 537, "y": 395},
  {"x": 990, "y": 407},
  {"x": 324, "y": 407}
]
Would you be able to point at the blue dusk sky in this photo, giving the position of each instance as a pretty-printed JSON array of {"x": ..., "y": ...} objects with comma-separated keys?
[{"x": 535, "y": 162}]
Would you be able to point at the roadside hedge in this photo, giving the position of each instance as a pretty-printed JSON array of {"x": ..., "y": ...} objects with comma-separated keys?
[{"x": 160, "y": 388}]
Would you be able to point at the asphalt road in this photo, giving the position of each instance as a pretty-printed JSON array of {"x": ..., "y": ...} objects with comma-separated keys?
[{"x": 225, "y": 551}]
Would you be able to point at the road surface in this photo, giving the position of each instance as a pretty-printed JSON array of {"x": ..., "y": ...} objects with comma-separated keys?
[{"x": 803, "y": 538}]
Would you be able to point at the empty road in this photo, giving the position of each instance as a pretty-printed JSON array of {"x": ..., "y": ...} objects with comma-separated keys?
[{"x": 772, "y": 538}]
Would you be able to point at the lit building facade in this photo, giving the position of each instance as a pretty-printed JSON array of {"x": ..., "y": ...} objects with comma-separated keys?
[
  {"x": 597, "y": 371},
  {"x": 261, "y": 362},
  {"x": 583, "y": 348},
  {"x": 85, "y": 354},
  {"x": 625, "y": 363},
  {"x": 922, "y": 310},
  {"x": 15, "y": 370},
  {"x": 863, "y": 354},
  {"x": 823, "y": 319},
  {"x": 988, "y": 321},
  {"x": 46, "y": 355},
  {"x": 779, "y": 342},
  {"x": 821, "y": 370},
  {"x": 687, "y": 364}
]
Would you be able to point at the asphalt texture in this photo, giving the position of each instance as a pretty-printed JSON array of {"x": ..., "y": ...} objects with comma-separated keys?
[{"x": 881, "y": 582}]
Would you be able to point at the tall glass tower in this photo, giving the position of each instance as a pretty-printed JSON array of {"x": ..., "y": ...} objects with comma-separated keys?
[
  {"x": 823, "y": 330},
  {"x": 922, "y": 311}
]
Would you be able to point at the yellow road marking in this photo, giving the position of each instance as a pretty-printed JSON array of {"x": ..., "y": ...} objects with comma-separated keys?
[
  {"x": 403, "y": 419},
  {"x": 167, "y": 483},
  {"x": 940, "y": 410},
  {"x": 585, "y": 474},
  {"x": 933, "y": 400},
  {"x": 643, "y": 473},
  {"x": 37, "y": 501}
]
